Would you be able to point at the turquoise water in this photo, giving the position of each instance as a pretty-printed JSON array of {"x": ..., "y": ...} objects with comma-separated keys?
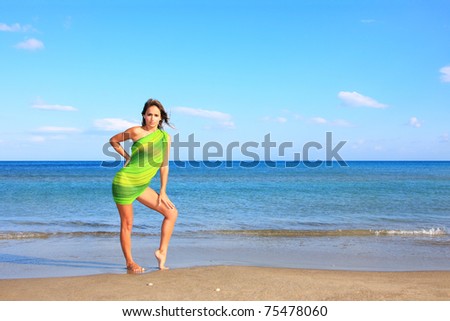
[{"x": 365, "y": 216}]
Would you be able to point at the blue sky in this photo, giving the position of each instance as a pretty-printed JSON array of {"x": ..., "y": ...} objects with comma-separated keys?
[{"x": 374, "y": 73}]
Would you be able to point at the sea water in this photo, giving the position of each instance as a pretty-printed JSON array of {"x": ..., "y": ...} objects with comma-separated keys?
[{"x": 59, "y": 218}]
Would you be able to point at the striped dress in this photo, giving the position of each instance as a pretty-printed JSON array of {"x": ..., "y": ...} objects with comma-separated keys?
[{"x": 147, "y": 156}]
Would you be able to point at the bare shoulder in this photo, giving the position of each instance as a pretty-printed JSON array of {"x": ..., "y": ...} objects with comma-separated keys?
[
  {"x": 133, "y": 132},
  {"x": 125, "y": 135}
]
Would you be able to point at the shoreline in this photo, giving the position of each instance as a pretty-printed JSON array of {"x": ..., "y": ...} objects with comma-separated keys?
[
  {"x": 235, "y": 283},
  {"x": 67, "y": 257}
]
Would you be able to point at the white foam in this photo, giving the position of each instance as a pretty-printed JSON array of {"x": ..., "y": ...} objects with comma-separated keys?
[{"x": 430, "y": 232}]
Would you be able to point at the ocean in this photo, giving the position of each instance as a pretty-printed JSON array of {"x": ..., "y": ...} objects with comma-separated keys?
[{"x": 58, "y": 218}]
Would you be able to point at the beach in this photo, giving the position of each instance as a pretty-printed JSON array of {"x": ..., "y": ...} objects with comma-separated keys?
[
  {"x": 235, "y": 283},
  {"x": 369, "y": 231}
]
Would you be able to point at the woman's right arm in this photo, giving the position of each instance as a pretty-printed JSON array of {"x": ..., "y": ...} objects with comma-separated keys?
[{"x": 115, "y": 143}]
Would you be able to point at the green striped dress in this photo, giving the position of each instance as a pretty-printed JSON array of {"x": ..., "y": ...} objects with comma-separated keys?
[{"x": 147, "y": 155}]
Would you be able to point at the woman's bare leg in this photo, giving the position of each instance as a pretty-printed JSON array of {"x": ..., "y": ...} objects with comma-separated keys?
[
  {"x": 126, "y": 225},
  {"x": 150, "y": 199}
]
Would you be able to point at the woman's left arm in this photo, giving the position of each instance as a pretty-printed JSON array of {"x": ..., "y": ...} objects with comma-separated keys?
[{"x": 164, "y": 174}]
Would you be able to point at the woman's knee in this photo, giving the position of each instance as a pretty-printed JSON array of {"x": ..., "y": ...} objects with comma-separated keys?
[
  {"x": 126, "y": 224},
  {"x": 171, "y": 214}
]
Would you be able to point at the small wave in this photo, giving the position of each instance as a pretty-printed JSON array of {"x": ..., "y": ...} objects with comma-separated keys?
[
  {"x": 23, "y": 235},
  {"x": 45, "y": 235},
  {"x": 69, "y": 224},
  {"x": 433, "y": 232},
  {"x": 332, "y": 233},
  {"x": 424, "y": 232}
]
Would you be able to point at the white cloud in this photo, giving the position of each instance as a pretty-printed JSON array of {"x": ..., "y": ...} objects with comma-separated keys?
[
  {"x": 378, "y": 148},
  {"x": 318, "y": 120},
  {"x": 445, "y": 71},
  {"x": 337, "y": 122},
  {"x": 30, "y": 44},
  {"x": 57, "y": 135},
  {"x": 368, "y": 21},
  {"x": 113, "y": 124},
  {"x": 341, "y": 123},
  {"x": 414, "y": 122},
  {"x": 356, "y": 99},
  {"x": 16, "y": 27},
  {"x": 280, "y": 120},
  {"x": 223, "y": 119},
  {"x": 44, "y": 106},
  {"x": 37, "y": 139},
  {"x": 58, "y": 130},
  {"x": 356, "y": 144}
]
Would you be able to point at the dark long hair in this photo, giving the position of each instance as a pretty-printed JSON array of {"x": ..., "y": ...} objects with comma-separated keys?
[{"x": 157, "y": 104}]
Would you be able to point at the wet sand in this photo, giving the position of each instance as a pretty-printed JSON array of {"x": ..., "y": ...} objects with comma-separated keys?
[{"x": 235, "y": 283}]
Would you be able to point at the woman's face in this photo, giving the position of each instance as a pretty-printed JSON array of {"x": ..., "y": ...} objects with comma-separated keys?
[{"x": 152, "y": 117}]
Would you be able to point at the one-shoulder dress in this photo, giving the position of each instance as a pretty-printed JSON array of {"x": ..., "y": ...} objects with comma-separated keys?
[{"x": 147, "y": 156}]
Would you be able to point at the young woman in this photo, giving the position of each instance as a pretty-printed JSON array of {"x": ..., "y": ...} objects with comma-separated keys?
[{"x": 149, "y": 153}]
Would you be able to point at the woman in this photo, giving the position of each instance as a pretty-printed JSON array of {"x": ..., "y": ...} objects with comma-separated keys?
[{"x": 149, "y": 153}]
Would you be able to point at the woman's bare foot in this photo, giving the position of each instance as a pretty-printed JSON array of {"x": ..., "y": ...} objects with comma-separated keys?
[
  {"x": 161, "y": 257},
  {"x": 134, "y": 268}
]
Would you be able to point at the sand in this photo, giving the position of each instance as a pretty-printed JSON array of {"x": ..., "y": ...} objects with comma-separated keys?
[{"x": 234, "y": 283}]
